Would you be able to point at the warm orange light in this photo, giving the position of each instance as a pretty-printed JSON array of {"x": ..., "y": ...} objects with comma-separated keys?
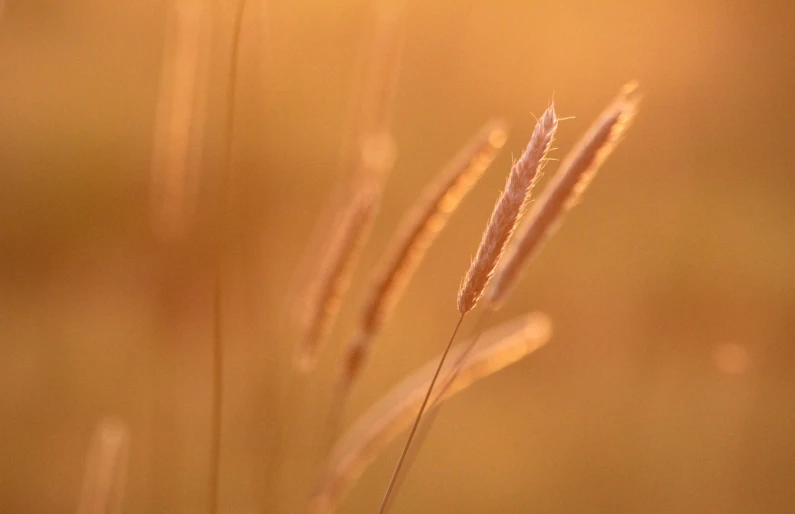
[{"x": 731, "y": 358}]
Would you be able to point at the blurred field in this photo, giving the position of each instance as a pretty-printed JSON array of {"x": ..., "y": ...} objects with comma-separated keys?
[{"x": 669, "y": 384}]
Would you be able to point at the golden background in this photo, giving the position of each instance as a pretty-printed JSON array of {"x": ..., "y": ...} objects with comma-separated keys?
[{"x": 669, "y": 383}]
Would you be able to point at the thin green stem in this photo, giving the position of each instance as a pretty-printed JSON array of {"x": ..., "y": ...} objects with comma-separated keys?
[{"x": 393, "y": 480}]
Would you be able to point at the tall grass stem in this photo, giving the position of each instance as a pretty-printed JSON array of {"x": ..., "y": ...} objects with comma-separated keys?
[{"x": 392, "y": 481}]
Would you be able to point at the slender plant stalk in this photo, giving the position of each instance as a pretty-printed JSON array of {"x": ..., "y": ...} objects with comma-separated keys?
[
  {"x": 224, "y": 191},
  {"x": 218, "y": 394},
  {"x": 575, "y": 174},
  {"x": 505, "y": 217},
  {"x": 435, "y": 407},
  {"x": 433, "y": 411},
  {"x": 503, "y": 345},
  {"x": 417, "y": 420}
]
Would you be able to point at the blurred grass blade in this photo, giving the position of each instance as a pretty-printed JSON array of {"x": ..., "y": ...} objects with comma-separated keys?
[
  {"x": 504, "y": 345},
  {"x": 180, "y": 118},
  {"x": 368, "y": 154},
  {"x": 106, "y": 467},
  {"x": 417, "y": 231}
]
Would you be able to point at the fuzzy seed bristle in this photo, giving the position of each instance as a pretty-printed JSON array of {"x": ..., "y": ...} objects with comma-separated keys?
[
  {"x": 574, "y": 175},
  {"x": 508, "y": 212}
]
